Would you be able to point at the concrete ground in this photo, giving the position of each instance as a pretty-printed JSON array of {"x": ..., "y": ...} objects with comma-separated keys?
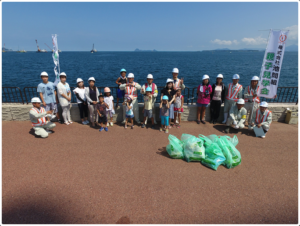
[{"x": 81, "y": 175}]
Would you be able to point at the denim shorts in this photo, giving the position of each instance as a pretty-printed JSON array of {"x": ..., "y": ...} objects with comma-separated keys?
[
  {"x": 129, "y": 116},
  {"x": 202, "y": 105},
  {"x": 51, "y": 106},
  {"x": 148, "y": 113}
]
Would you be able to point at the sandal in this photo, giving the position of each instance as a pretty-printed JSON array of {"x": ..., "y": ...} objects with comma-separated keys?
[
  {"x": 67, "y": 123},
  {"x": 173, "y": 125},
  {"x": 70, "y": 122},
  {"x": 178, "y": 126},
  {"x": 125, "y": 127}
]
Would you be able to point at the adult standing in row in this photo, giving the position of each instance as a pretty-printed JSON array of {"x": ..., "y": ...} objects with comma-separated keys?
[
  {"x": 154, "y": 93},
  {"x": 250, "y": 96},
  {"x": 48, "y": 94},
  {"x": 64, "y": 97},
  {"x": 178, "y": 83},
  {"x": 91, "y": 94},
  {"x": 131, "y": 88},
  {"x": 121, "y": 80},
  {"x": 203, "y": 92},
  {"x": 234, "y": 92},
  {"x": 79, "y": 92},
  {"x": 170, "y": 92},
  {"x": 217, "y": 98}
]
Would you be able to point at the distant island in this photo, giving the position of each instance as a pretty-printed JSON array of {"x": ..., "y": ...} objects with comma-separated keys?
[
  {"x": 291, "y": 48},
  {"x": 6, "y": 50},
  {"x": 140, "y": 50}
]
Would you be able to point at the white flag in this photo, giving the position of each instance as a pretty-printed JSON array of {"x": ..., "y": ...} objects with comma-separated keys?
[
  {"x": 270, "y": 71},
  {"x": 55, "y": 59}
]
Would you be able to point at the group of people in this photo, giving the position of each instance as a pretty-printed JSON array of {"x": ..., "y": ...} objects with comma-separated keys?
[{"x": 99, "y": 108}]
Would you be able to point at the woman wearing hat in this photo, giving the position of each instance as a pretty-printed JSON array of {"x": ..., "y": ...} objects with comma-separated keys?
[
  {"x": 91, "y": 94},
  {"x": 217, "y": 97},
  {"x": 170, "y": 92},
  {"x": 64, "y": 97},
  {"x": 250, "y": 96},
  {"x": 79, "y": 91}
]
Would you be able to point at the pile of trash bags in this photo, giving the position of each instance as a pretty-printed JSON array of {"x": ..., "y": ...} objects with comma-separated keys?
[{"x": 211, "y": 151}]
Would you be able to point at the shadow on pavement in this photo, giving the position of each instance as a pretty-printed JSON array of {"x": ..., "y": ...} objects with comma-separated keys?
[{"x": 163, "y": 152}]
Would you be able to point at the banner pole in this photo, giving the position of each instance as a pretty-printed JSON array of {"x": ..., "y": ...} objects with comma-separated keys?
[{"x": 261, "y": 70}]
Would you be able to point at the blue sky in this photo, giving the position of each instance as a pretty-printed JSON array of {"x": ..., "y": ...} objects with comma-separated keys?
[{"x": 162, "y": 26}]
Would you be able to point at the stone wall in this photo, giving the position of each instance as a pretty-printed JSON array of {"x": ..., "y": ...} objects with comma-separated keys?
[{"x": 20, "y": 112}]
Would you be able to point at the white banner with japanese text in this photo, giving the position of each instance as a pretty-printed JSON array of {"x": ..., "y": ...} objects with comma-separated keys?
[
  {"x": 270, "y": 72},
  {"x": 55, "y": 59}
]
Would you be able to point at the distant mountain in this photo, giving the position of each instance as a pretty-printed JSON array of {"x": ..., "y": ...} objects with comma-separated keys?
[
  {"x": 6, "y": 50},
  {"x": 291, "y": 48},
  {"x": 140, "y": 50},
  {"x": 222, "y": 49}
]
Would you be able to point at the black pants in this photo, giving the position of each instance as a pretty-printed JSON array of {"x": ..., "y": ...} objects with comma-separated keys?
[
  {"x": 215, "y": 107},
  {"x": 83, "y": 108}
]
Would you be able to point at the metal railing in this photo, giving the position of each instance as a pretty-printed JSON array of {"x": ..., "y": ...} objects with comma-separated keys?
[{"x": 14, "y": 95}]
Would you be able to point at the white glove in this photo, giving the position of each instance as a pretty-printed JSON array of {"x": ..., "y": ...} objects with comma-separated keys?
[
  {"x": 236, "y": 127},
  {"x": 234, "y": 122}
]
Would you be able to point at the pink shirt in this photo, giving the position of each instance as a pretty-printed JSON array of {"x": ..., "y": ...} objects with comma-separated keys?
[{"x": 202, "y": 98}]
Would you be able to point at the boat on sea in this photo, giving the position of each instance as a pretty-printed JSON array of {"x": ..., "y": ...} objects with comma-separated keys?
[
  {"x": 93, "y": 50},
  {"x": 40, "y": 50},
  {"x": 22, "y": 51}
]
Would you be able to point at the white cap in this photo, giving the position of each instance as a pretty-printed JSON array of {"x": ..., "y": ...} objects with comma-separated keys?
[
  {"x": 175, "y": 70},
  {"x": 62, "y": 74},
  {"x": 91, "y": 79},
  {"x": 255, "y": 78},
  {"x": 79, "y": 80},
  {"x": 130, "y": 75},
  {"x": 169, "y": 80},
  {"x": 220, "y": 76},
  {"x": 44, "y": 73},
  {"x": 150, "y": 76},
  {"x": 240, "y": 101},
  {"x": 205, "y": 77},
  {"x": 36, "y": 100},
  {"x": 236, "y": 76},
  {"x": 264, "y": 104}
]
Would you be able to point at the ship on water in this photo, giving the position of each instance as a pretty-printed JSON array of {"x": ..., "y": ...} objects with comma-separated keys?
[
  {"x": 52, "y": 49},
  {"x": 40, "y": 50},
  {"x": 21, "y": 51},
  {"x": 93, "y": 50}
]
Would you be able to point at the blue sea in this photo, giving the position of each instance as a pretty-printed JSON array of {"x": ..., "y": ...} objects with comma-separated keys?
[{"x": 23, "y": 69}]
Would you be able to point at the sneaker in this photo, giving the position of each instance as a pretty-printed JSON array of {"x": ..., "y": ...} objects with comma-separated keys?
[
  {"x": 107, "y": 124},
  {"x": 125, "y": 127},
  {"x": 143, "y": 126},
  {"x": 203, "y": 121},
  {"x": 153, "y": 127},
  {"x": 227, "y": 129},
  {"x": 87, "y": 121},
  {"x": 263, "y": 137},
  {"x": 84, "y": 123},
  {"x": 167, "y": 131},
  {"x": 100, "y": 129},
  {"x": 215, "y": 121},
  {"x": 60, "y": 121},
  {"x": 198, "y": 122},
  {"x": 106, "y": 129},
  {"x": 160, "y": 129},
  {"x": 111, "y": 123},
  {"x": 48, "y": 131},
  {"x": 178, "y": 126},
  {"x": 123, "y": 122},
  {"x": 132, "y": 127},
  {"x": 70, "y": 122}
]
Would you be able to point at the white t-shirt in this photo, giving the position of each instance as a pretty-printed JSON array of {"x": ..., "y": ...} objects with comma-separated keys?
[
  {"x": 80, "y": 93},
  {"x": 129, "y": 111},
  {"x": 108, "y": 101}
]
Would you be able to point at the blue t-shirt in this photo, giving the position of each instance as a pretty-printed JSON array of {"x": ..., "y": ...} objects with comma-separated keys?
[{"x": 48, "y": 92}]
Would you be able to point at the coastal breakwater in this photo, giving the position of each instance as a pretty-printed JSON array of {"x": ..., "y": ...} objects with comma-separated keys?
[{"x": 20, "y": 112}]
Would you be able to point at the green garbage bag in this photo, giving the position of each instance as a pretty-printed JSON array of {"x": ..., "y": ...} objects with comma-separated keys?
[
  {"x": 232, "y": 155},
  {"x": 174, "y": 148},
  {"x": 193, "y": 149},
  {"x": 233, "y": 140},
  {"x": 213, "y": 156},
  {"x": 185, "y": 136},
  {"x": 212, "y": 137},
  {"x": 205, "y": 140}
]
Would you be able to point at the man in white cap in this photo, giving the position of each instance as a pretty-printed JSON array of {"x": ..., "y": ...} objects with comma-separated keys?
[
  {"x": 178, "y": 83},
  {"x": 237, "y": 116},
  {"x": 234, "y": 92},
  {"x": 38, "y": 116},
  {"x": 250, "y": 96},
  {"x": 48, "y": 95},
  {"x": 154, "y": 93},
  {"x": 262, "y": 117},
  {"x": 131, "y": 88}
]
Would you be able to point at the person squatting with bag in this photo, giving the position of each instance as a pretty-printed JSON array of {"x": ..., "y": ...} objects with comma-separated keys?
[
  {"x": 37, "y": 116},
  {"x": 154, "y": 94},
  {"x": 237, "y": 116},
  {"x": 234, "y": 92},
  {"x": 262, "y": 117},
  {"x": 131, "y": 88}
]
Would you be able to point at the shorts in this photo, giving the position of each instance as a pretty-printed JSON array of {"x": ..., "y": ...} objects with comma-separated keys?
[
  {"x": 51, "y": 106},
  {"x": 102, "y": 119},
  {"x": 129, "y": 116},
  {"x": 202, "y": 105},
  {"x": 148, "y": 113},
  {"x": 178, "y": 110},
  {"x": 120, "y": 93},
  {"x": 109, "y": 113},
  {"x": 165, "y": 120}
]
